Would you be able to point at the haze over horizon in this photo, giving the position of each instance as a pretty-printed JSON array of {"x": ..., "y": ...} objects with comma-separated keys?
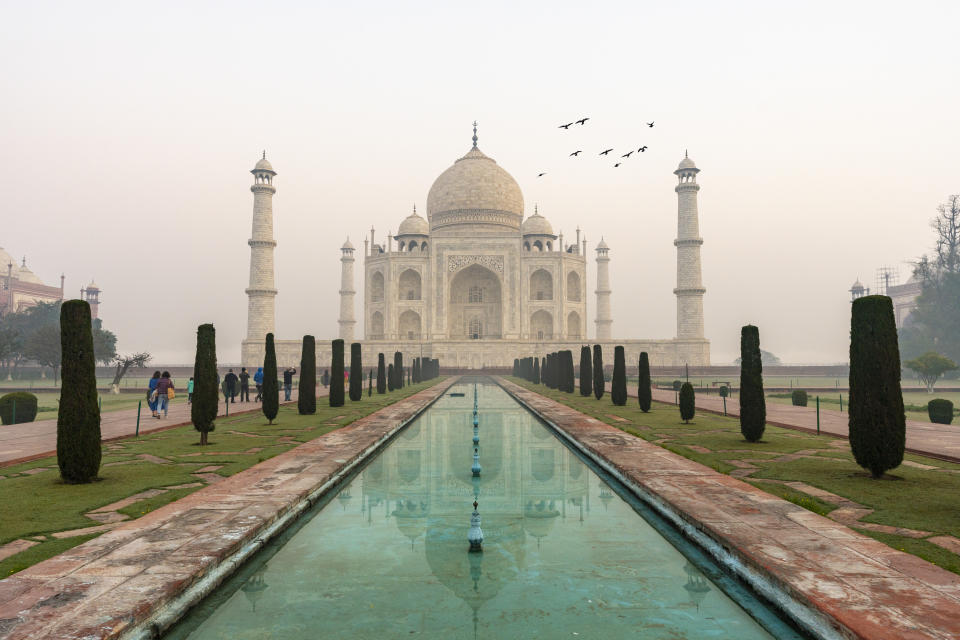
[{"x": 825, "y": 133}]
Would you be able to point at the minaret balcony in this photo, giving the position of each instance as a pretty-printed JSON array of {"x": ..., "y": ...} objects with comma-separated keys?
[
  {"x": 688, "y": 242},
  {"x": 262, "y": 243}
]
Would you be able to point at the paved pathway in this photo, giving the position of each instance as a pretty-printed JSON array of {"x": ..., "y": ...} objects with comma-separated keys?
[
  {"x": 864, "y": 587},
  {"x": 114, "y": 585},
  {"x": 36, "y": 439}
]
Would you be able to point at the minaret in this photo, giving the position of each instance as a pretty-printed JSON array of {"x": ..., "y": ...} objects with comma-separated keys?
[
  {"x": 261, "y": 293},
  {"x": 346, "y": 292},
  {"x": 603, "y": 319},
  {"x": 689, "y": 289}
]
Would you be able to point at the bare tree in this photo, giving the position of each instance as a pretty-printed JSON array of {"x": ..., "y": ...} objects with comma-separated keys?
[
  {"x": 125, "y": 362},
  {"x": 947, "y": 227}
]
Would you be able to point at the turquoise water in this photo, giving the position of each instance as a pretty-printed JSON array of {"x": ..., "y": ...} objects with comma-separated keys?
[{"x": 565, "y": 554}]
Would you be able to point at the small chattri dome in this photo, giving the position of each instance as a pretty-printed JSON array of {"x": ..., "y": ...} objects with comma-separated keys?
[
  {"x": 687, "y": 163},
  {"x": 93, "y": 285},
  {"x": 536, "y": 225},
  {"x": 347, "y": 245},
  {"x": 857, "y": 285},
  {"x": 414, "y": 225},
  {"x": 264, "y": 165},
  {"x": 603, "y": 244}
]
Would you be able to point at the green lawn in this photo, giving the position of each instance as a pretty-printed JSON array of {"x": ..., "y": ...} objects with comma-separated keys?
[
  {"x": 915, "y": 402},
  {"x": 38, "y": 504},
  {"x": 910, "y": 497}
]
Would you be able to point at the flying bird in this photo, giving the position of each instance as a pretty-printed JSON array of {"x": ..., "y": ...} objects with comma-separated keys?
[
  {"x": 617, "y": 165},
  {"x": 650, "y": 124},
  {"x": 565, "y": 126},
  {"x": 576, "y": 153},
  {"x": 540, "y": 175},
  {"x": 603, "y": 153},
  {"x": 626, "y": 155},
  {"x": 642, "y": 149},
  {"x": 582, "y": 121}
]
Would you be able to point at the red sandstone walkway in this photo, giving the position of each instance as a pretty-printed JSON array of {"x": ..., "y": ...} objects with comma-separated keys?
[
  {"x": 869, "y": 590},
  {"x": 33, "y": 439}
]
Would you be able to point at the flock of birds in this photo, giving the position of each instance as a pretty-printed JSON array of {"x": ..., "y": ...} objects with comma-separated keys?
[{"x": 605, "y": 152}]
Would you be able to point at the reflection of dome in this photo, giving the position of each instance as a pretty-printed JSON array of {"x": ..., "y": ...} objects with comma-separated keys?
[
  {"x": 475, "y": 191},
  {"x": 413, "y": 225},
  {"x": 697, "y": 585},
  {"x": 542, "y": 464},
  {"x": 411, "y": 518},
  {"x": 254, "y": 587},
  {"x": 538, "y": 518}
]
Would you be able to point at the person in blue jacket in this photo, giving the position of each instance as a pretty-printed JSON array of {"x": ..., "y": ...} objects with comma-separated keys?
[
  {"x": 258, "y": 380},
  {"x": 153, "y": 400}
]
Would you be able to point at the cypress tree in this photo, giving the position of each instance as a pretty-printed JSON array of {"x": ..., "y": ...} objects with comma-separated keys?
[
  {"x": 543, "y": 372},
  {"x": 753, "y": 405},
  {"x": 416, "y": 370},
  {"x": 516, "y": 367},
  {"x": 271, "y": 390},
  {"x": 877, "y": 422},
  {"x": 586, "y": 372},
  {"x": 644, "y": 393},
  {"x": 307, "y": 389},
  {"x": 370, "y": 384},
  {"x": 356, "y": 372},
  {"x": 536, "y": 371},
  {"x": 688, "y": 402},
  {"x": 78, "y": 418},
  {"x": 548, "y": 378},
  {"x": 381, "y": 375},
  {"x": 398, "y": 370},
  {"x": 568, "y": 384},
  {"x": 599, "y": 384},
  {"x": 391, "y": 377},
  {"x": 336, "y": 374},
  {"x": 206, "y": 397},
  {"x": 618, "y": 388}
]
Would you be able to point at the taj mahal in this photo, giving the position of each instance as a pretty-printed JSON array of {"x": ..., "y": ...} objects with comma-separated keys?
[{"x": 475, "y": 284}]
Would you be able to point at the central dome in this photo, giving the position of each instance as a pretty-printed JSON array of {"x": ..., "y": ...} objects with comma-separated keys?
[{"x": 475, "y": 191}]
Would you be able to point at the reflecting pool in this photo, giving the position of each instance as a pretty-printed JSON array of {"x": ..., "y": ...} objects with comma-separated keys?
[{"x": 564, "y": 553}]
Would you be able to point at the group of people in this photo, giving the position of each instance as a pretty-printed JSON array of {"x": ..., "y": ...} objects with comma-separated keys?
[{"x": 161, "y": 389}]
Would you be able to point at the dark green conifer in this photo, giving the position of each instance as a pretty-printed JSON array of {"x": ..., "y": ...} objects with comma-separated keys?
[
  {"x": 568, "y": 384},
  {"x": 753, "y": 404},
  {"x": 586, "y": 372},
  {"x": 270, "y": 402},
  {"x": 536, "y": 371},
  {"x": 307, "y": 389},
  {"x": 398, "y": 370},
  {"x": 356, "y": 372},
  {"x": 206, "y": 396},
  {"x": 381, "y": 374},
  {"x": 618, "y": 387},
  {"x": 370, "y": 384},
  {"x": 688, "y": 402},
  {"x": 78, "y": 416},
  {"x": 877, "y": 421},
  {"x": 336, "y": 374},
  {"x": 644, "y": 392},
  {"x": 391, "y": 377},
  {"x": 599, "y": 384}
]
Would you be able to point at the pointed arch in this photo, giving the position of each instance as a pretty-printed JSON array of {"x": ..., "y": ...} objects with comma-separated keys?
[
  {"x": 541, "y": 285},
  {"x": 409, "y": 286},
  {"x": 376, "y": 287},
  {"x": 573, "y": 287},
  {"x": 541, "y": 325}
]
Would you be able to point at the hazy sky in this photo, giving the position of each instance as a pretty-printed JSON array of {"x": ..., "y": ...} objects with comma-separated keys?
[{"x": 826, "y": 132}]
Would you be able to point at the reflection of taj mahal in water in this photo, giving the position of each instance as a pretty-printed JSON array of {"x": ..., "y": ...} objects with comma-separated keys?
[{"x": 474, "y": 283}]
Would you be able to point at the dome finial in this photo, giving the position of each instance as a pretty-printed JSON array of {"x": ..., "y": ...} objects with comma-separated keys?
[
  {"x": 474, "y": 134},
  {"x": 414, "y": 208},
  {"x": 536, "y": 209},
  {"x": 686, "y": 154},
  {"x": 264, "y": 154}
]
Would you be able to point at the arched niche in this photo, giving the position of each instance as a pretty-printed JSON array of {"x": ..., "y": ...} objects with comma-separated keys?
[
  {"x": 541, "y": 285},
  {"x": 573, "y": 325},
  {"x": 376, "y": 326},
  {"x": 409, "y": 287},
  {"x": 541, "y": 325},
  {"x": 376, "y": 287},
  {"x": 409, "y": 325},
  {"x": 573, "y": 287},
  {"x": 475, "y": 304}
]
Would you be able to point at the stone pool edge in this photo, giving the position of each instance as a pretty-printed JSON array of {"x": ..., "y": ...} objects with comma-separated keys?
[
  {"x": 86, "y": 592},
  {"x": 813, "y": 593}
]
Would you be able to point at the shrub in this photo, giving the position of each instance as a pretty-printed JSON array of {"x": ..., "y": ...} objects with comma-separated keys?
[
  {"x": 877, "y": 422},
  {"x": 599, "y": 384},
  {"x": 688, "y": 402},
  {"x": 586, "y": 372},
  {"x": 939, "y": 410},
  {"x": 78, "y": 419},
  {"x": 206, "y": 395},
  {"x": 307, "y": 389},
  {"x": 356, "y": 372},
  {"x": 677, "y": 384},
  {"x": 381, "y": 375},
  {"x": 753, "y": 406},
  {"x": 799, "y": 398},
  {"x": 25, "y": 405},
  {"x": 618, "y": 388},
  {"x": 644, "y": 393},
  {"x": 724, "y": 391},
  {"x": 270, "y": 402},
  {"x": 336, "y": 374}
]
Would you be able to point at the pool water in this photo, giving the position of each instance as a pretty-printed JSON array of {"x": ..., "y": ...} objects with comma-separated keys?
[{"x": 565, "y": 554}]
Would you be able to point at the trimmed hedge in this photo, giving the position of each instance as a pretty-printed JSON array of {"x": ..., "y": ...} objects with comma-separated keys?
[
  {"x": 586, "y": 372},
  {"x": 940, "y": 410},
  {"x": 336, "y": 374},
  {"x": 688, "y": 402},
  {"x": 753, "y": 404},
  {"x": 203, "y": 409},
  {"x": 599, "y": 384},
  {"x": 644, "y": 392},
  {"x": 381, "y": 374},
  {"x": 78, "y": 418},
  {"x": 618, "y": 386},
  {"x": 356, "y": 372},
  {"x": 307, "y": 390},
  {"x": 270, "y": 402},
  {"x": 799, "y": 398},
  {"x": 25, "y": 405}
]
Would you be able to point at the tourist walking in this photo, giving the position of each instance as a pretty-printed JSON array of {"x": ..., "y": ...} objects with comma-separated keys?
[
  {"x": 190, "y": 391},
  {"x": 244, "y": 385},
  {"x": 258, "y": 380},
  {"x": 164, "y": 393},
  {"x": 230, "y": 380},
  {"x": 152, "y": 393},
  {"x": 288, "y": 382}
]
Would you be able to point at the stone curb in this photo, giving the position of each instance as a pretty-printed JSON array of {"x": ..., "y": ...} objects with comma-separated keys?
[
  {"x": 140, "y": 577},
  {"x": 834, "y": 581}
]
